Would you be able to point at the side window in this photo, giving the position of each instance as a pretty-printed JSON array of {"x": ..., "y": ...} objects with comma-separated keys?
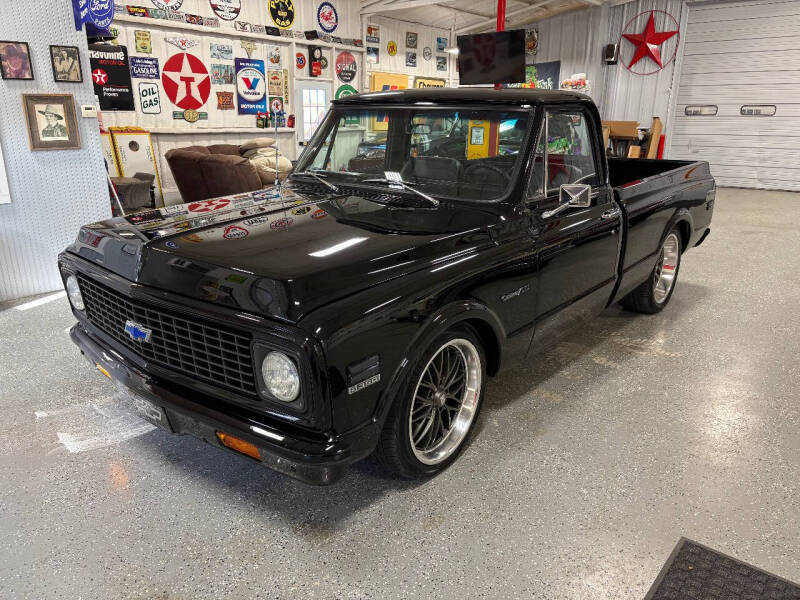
[{"x": 570, "y": 152}]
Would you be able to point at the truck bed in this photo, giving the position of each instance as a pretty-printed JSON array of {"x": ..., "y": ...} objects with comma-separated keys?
[
  {"x": 653, "y": 194},
  {"x": 625, "y": 172}
]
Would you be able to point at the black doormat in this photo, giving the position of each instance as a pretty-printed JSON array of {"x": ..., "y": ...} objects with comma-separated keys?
[{"x": 694, "y": 572}]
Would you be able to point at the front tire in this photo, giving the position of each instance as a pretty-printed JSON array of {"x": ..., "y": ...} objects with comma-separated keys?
[
  {"x": 654, "y": 294},
  {"x": 430, "y": 422}
]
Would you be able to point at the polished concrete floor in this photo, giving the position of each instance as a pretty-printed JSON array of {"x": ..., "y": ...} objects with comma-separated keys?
[{"x": 589, "y": 465}]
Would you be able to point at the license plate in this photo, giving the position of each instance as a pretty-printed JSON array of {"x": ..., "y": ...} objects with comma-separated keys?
[{"x": 146, "y": 409}]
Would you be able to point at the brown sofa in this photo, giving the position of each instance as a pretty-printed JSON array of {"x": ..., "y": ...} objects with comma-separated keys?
[{"x": 202, "y": 172}]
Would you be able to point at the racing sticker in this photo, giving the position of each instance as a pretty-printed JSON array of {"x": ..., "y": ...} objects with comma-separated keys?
[
  {"x": 186, "y": 81},
  {"x": 391, "y": 48},
  {"x": 346, "y": 67},
  {"x": 211, "y": 205},
  {"x": 241, "y": 25},
  {"x": 251, "y": 88},
  {"x": 234, "y": 232},
  {"x": 282, "y": 13},
  {"x": 427, "y": 53},
  {"x": 327, "y": 17},
  {"x": 149, "y": 98},
  {"x": 227, "y": 10},
  {"x": 282, "y": 223},
  {"x": 300, "y": 60},
  {"x": 144, "y": 67}
]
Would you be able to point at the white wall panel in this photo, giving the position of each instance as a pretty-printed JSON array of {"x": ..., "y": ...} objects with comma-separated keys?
[
  {"x": 395, "y": 30},
  {"x": 742, "y": 53},
  {"x": 53, "y": 192}
]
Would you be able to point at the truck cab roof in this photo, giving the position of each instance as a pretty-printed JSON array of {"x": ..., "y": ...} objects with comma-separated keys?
[{"x": 464, "y": 95}]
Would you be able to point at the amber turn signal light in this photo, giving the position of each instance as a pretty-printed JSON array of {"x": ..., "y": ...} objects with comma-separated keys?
[
  {"x": 104, "y": 371},
  {"x": 235, "y": 443}
]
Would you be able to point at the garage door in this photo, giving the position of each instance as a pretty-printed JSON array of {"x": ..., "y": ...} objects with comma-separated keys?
[{"x": 738, "y": 103}]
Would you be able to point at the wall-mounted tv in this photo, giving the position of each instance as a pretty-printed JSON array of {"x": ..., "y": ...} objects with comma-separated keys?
[{"x": 492, "y": 57}]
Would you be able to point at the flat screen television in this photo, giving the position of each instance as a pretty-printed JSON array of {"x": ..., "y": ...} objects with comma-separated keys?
[{"x": 492, "y": 57}]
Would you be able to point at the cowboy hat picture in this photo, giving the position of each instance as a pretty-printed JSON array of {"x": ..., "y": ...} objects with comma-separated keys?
[
  {"x": 15, "y": 60},
  {"x": 52, "y": 121}
]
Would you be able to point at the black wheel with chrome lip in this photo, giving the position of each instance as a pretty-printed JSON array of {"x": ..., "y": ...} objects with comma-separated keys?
[{"x": 430, "y": 421}]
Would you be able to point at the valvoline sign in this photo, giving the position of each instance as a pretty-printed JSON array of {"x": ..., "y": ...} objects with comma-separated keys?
[{"x": 251, "y": 89}]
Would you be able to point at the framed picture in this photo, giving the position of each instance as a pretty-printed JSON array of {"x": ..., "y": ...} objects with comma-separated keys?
[
  {"x": 15, "y": 60},
  {"x": 66, "y": 62},
  {"x": 52, "y": 123}
]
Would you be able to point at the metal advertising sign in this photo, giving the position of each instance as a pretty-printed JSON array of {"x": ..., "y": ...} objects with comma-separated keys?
[
  {"x": 250, "y": 86},
  {"x": 227, "y": 10},
  {"x": 282, "y": 13},
  {"x": 111, "y": 76},
  {"x": 327, "y": 17},
  {"x": 149, "y": 98},
  {"x": 346, "y": 67},
  {"x": 186, "y": 81},
  {"x": 144, "y": 67},
  {"x": 143, "y": 41}
]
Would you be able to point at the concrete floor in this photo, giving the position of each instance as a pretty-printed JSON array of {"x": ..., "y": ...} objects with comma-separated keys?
[{"x": 587, "y": 468}]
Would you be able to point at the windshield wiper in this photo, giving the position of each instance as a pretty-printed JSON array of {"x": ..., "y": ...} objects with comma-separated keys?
[
  {"x": 404, "y": 185},
  {"x": 319, "y": 178}
]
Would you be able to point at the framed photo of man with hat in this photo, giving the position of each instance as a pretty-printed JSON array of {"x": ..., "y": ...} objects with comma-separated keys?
[
  {"x": 15, "y": 60},
  {"x": 52, "y": 122}
]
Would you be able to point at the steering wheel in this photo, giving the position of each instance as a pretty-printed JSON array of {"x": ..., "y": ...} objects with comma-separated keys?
[
  {"x": 477, "y": 166},
  {"x": 592, "y": 174}
]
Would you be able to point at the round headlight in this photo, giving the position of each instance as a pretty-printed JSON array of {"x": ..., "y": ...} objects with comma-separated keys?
[
  {"x": 281, "y": 376},
  {"x": 74, "y": 292}
]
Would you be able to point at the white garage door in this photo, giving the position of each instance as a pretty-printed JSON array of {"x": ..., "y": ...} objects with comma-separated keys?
[{"x": 738, "y": 103}]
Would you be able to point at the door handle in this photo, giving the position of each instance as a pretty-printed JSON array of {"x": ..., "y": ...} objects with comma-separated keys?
[{"x": 610, "y": 214}]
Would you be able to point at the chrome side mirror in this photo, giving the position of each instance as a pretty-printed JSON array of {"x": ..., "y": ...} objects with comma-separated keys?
[{"x": 571, "y": 195}]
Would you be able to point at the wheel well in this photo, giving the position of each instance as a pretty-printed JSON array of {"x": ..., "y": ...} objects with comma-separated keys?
[
  {"x": 686, "y": 233},
  {"x": 491, "y": 345}
]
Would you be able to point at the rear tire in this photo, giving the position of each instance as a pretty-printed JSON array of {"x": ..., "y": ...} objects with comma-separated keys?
[
  {"x": 433, "y": 416},
  {"x": 654, "y": 294}
]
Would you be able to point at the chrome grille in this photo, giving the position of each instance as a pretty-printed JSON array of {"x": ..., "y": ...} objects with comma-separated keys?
[{"x": 218, "y": 356}]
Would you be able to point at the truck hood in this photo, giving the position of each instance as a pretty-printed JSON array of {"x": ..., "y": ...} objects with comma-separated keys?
[{"x": 280, "y": 254}]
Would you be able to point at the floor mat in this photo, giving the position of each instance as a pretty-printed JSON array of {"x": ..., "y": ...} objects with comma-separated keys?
[{"x": 696, "y": 572}]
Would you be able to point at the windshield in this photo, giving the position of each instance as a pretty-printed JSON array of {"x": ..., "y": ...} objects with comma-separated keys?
[{"x": 469, "y": 154}]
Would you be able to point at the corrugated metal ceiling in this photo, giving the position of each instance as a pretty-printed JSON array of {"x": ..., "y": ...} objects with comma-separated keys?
[{"x": 472, "y": 16}]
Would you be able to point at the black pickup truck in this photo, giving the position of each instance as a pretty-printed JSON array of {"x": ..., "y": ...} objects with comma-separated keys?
[{"x": 359, "y": 308}]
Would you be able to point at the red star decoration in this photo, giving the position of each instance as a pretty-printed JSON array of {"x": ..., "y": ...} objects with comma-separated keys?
[{"x": 648, "y": 41}]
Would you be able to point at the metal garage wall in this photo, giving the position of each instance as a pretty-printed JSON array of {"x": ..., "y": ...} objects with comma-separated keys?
[
  {"x": 577, "y": 40},
  {"x": 54, "y": 192},
  {"x": 735, "y": 54}
]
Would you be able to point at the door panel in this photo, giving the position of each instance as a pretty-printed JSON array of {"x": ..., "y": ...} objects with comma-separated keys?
[{"x": 577, "y": 249}]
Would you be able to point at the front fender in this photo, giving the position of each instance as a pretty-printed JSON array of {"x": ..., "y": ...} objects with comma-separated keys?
[{"x": 481, "y": 317}]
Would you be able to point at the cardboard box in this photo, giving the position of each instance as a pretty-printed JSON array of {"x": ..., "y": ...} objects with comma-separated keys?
[{"x": 623, "y": 130}]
